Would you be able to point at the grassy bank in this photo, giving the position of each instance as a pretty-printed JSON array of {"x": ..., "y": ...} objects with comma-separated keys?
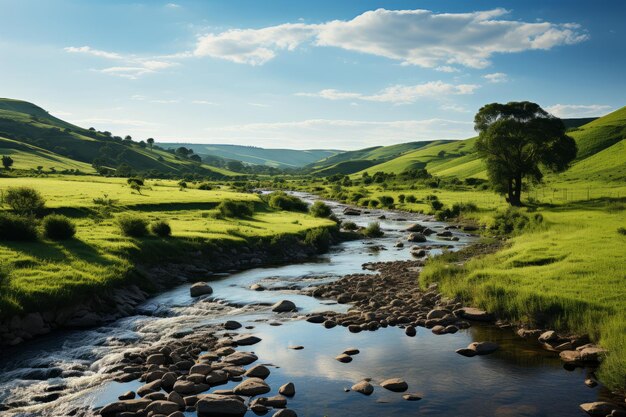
[
  {"x": 46, "y": 274},
  {"x": 566, "y": 272}
]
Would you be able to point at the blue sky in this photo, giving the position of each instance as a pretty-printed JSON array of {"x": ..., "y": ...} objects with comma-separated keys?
[{"x": 322, "y": 74}]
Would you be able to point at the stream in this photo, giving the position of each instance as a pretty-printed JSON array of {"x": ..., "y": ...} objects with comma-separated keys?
[{"x": 520, "y": 379}]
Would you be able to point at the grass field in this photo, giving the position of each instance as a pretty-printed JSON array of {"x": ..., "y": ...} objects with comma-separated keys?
[{"x": 41, "y": 274}]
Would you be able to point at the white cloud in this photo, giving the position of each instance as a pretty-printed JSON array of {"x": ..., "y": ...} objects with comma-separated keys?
[
  {"x": 399, "y": 94},
  {"x": 331, "y": 133},
  {"x": 204, "y": 102},
  {"x": 496, "y": 77},
  {"x": 413, "y": 37},
  {"x": 454, "y": 107},
  {"x": 173, "y": 6},
  {"x": 578, "y": 110},
  {"x": 132, "y": 66},
  {"x": 259, "y": 105}
]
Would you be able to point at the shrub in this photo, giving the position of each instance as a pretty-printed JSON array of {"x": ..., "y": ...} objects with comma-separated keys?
[
  {"x": 436, "y": 205},
  {"x": 320, "y": 209},
  {"x": 373, "y": 230},
  {"x": 320, "y": 238},
  {"x": 14, "y": 227},
  {"x": 512, "y": 220},
  {"x": 205, "y": 186},
  {"x": 238, "y": 209},
  {"x": 133, "y": 226},
  {"x": 24, "y": 200},
  {"x": 401, "y": 198},
  {"x": 386, "y": 201},
  {"x": 134, "y": 180},
  {"x": 161, "y": 228},
  {"x": 349, "y": 225},
  {"x": 283, "y": 201},
  {"x": 58, "y": 227},
  {"x": 410, "y": 198},
  {"x": 182, "y": 184},
  {"x": 374, "y": 203},
  {"x": 621, "y": 230}
]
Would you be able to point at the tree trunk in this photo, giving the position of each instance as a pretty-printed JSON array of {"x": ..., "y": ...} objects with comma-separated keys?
[{"x": 516, "y": 194}]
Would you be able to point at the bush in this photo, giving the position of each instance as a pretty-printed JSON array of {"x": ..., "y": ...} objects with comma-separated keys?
[
  {"x": 410, "y": 199},
  {"x": 133, "y": 226},
  {"x": 58, "y": 227},
  {"x": 621, "y": 231},
  {"x": 373, "y": 230},
  {"x": 205, "y": 186},
  {"x": 238, "y": 209},
  {"x": 373, "y": 203},
  {"x": 319, "y": 238},
  {"x": 386, "y": 201},
  {"x": 24, "y": 200},
  {"x": 320, "y": 209},
  {"x": 512, "y": 220},
  {"x": 13, "y": 227},
  {"x": 283, "y": 201},
  {"x": 349, "y": 225},
  {"x": 401, "y": 198},
  {"x": 161, "y": 228},
  {"x": 436, "y": 205}
]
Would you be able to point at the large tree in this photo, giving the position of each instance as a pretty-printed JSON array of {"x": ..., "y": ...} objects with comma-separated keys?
[
  {"x": 7, "y": 162},
  {"x": 518, "y": 140}
]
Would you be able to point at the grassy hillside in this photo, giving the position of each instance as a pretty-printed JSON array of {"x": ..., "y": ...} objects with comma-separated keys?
[
  {"x": 278, "y": 158},
  {"x": 354, "y": 161},
  {"x": 28, "y": 124},
  {"x": 600, "y": 133},
  {"x": 49, "y": 274},
  {"x": 29, "y": 157}
]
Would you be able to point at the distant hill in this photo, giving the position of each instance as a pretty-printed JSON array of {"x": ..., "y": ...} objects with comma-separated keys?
[
  {"x": 601, "y": 154},
  {"x": 278, "y": 158},
  {"x": 33, "y": 137},
  {"x": 353, "y": 161}
]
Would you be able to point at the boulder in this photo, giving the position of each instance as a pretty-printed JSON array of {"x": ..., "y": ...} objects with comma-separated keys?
[
  {"x": 241, "y": 358},
  {"x": 548, "y": 337},
  {"x": 411, "y": 397},
  {"x": 284, "y": 306},
  {"x": 258, "y": 371},
  {"x": 162, "y": 407},
  {"x": 285, "y": 412},
  {"x": 343, "y": 358},
  {"x": 201, "y": 368},
  {"x": 352, "y": 351},
  {"x": 415, "y": 228},
  {"x": 128, "y": 395},
  {"x": 246, "y": 340},
  {"x": 476, "y": 314},
  {"x": 349, "y": 211},
  {"x": 257, "y": 287},
  {"x": 316, "y": 319},
  {"x": 200, "y": 288},
  {"x": 364, "y": 387},
  {"x": 232, "y": 325},
  {"x": 251, "y": 387},
  {"x": 216, "y": 377},
  {"x": 483, "y": 348},
  {"x": 289, "y": 389},
  {"x": 410, "y": 331},
  {"x": 395, "y": 385},
  {"x": 156, "y": 359},
  {"x": 131, "y": 406},
  {"x": 211, "y": 405},
  {"x": 416, "y": 237},
  {"x": 598, "y": 408}
]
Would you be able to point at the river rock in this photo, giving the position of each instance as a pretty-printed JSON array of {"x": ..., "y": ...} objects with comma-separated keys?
[
  {"x": 364, "y": 387},
  {"x": 201, "y": 368},
  {"x": 251, "y": 387},
  {"x": 570, "y": 356},
  {"x": 162, "y": 407},
  {"x": 232, "y": 325},
  {"x": 289, "y": 389},
  {"x": 156, "y": 359},
  {"x": 246, "y": 340},
  {"x": 592, "y": 354},
  {"x": 352, "y": 351},
  {"x": 200, "y": 288},
  {"x": 343, "y": 358},
  {"x": 128, "y": 395},
  {"x": 277, "y": 401},
  {"x": 437, "y": 313},
  {"x": 176, "y": 398},
  {"x": 476, "y": 314},
  {"x": 410, "y": 331},
  {"x": 411, "y": 397},
  {"x": 258, "y": 371},
  {"x": 483, "y": 348},
  {"x": 329, "y": 324},
  {"x": 149, "y": 387},
  {"x": 416, "y": 238},
  {"x": 211, "y": 405},
  {"x": 216, "y": 377},
  {"x": 598, "y": 408},
  {"x": 257, "y": 287},
  {"x": 131, "y": 406},
  {"x": 415, "y": 228},
  {"x": 395, "y": 385},
  {"x": 241, "y": 358},
  {"x": 548, "y": 337},
  {"x": 284, "y": 306},
  {"x": 316, "y": 319},
  {"x": 349, "y": 211}
]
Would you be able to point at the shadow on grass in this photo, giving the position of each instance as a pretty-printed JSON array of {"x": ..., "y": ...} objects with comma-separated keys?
[{"x": 46, "y": 251}]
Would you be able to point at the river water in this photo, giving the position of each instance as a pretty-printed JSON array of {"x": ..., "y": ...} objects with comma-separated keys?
[{"x": 518, "y": 380}]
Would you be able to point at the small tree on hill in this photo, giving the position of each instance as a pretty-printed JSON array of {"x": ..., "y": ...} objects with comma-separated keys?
[
  {"x": 7, "y": 162},
  {"x": 518, "y": 139},
  {"x": 150, "y": 142}
]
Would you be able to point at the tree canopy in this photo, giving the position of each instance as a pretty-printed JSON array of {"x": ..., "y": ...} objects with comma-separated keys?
[{"x": 518, "y": 140}]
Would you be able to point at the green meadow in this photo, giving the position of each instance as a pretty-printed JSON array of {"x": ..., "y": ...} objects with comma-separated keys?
[{"x": 49, "y": 273}]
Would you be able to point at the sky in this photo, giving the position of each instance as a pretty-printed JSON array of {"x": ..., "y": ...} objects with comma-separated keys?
[{"x": 309, "y": 75}]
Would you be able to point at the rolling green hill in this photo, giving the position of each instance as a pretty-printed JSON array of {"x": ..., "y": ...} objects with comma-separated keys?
[
  {"x": 601, "y": 154},
  {"x": 277, "y": 158},
  {"x": 51, "y": 142},
  {"x": 354, "y": 161}
]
